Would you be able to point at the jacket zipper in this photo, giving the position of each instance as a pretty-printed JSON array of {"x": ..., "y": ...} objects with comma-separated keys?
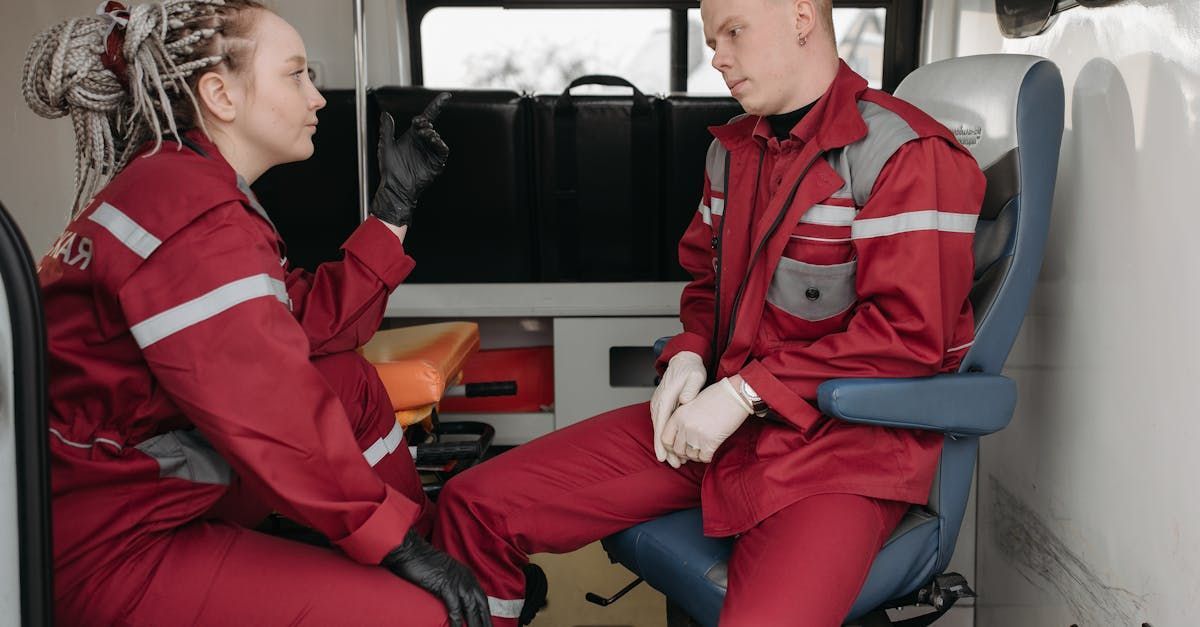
[
  {"x": 737, "y": 298},
  {"x": 717, "y": 244}
]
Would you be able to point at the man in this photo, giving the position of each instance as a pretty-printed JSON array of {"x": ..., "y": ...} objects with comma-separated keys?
[{"x": 833, "y": 240}]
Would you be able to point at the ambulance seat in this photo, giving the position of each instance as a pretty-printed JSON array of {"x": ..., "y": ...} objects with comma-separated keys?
[
  {"x": 1008, "y": 110},
  {"x": 29, "y": 593}
]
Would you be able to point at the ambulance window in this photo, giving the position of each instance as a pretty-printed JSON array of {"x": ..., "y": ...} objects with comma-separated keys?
[
  {"x": 542, "y": 50},
  {"x": 860, "y": 36}
]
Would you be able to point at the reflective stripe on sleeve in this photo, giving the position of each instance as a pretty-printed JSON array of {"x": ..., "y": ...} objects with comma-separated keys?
[
  {"x": 505, "y": 608},
  {"x": 829, "y": 215},
  {"x": 381, "y": 447},
  {"x": 827, "y": 240},
  {"x": 914, "y": 221},
  {"x": 95, "y": 441},
  {"x": 717, "y": 209},
  {"x": 199, "y": 309},
  {"x": 128, "y": 232}
]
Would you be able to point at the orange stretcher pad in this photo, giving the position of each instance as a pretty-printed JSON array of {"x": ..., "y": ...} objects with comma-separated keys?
[{"x": 418, "y": 363}]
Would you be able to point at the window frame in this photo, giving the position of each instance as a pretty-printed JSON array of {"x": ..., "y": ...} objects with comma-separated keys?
[{"x": 901, "y": 36}]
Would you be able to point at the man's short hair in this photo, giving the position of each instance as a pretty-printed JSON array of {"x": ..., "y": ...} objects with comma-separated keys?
[
  {"x": 824, "y": 11},
  {"x": 825, "y": 15}
]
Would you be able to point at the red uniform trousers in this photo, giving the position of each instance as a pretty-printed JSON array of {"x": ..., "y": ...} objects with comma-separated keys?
[
  {"x": 804, "y": 565},
  {"x": 218, "y": 571}
]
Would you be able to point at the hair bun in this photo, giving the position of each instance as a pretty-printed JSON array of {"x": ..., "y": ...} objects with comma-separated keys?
[{"x": 63, "y": 70}]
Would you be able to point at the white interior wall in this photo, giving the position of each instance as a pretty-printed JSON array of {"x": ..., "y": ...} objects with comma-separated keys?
[
  {"x": 1086, "y": 506},
  {"x": 328, "y": 31},
  {"x": 37, "y": 169}
]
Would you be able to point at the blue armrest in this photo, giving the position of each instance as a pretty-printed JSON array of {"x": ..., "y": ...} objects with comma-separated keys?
[{"x": 959, "y": 404}]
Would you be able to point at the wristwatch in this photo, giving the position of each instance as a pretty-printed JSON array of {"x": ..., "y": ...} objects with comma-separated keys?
[{"x": 756, "y": 401}]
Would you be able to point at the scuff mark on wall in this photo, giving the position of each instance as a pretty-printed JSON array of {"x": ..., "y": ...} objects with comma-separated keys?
[{"x": 1043, "y": 558}]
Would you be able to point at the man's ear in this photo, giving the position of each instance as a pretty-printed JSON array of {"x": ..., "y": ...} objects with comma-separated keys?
[
  {"x": 218, "y": 95},
  {"x": 806, "y": 17}
]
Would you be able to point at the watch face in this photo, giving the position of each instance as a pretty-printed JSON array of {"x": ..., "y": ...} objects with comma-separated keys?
[{"x": 750, "y": 393}]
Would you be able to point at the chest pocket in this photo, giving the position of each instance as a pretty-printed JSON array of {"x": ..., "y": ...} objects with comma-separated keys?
[{"x": 813, "y": 292}]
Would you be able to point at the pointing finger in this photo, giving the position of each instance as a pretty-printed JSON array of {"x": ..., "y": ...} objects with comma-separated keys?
[{"x": 435, "y": 108}]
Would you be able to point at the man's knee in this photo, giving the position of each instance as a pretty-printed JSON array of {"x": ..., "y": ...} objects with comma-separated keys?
[
  {"x": 457, "y": 496},
  {"x": 473, "y": 498}
]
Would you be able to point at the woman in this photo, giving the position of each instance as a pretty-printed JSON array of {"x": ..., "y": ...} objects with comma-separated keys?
[{"x": 197, "y": 382}]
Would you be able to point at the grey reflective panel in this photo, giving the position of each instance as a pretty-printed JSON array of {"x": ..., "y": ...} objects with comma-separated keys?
[
  {"x": 187, "y": 455},
  {"x": 714, "y": 166},
  {"x": 838, "y": 161},
  {"x": 812, "y": 292},
  {"x": 258, "y": 208},
  {"x": 865, "y": 158}
]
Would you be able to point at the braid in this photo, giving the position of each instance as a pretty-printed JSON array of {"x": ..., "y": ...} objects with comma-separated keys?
[{"x": 168, "y": 45}]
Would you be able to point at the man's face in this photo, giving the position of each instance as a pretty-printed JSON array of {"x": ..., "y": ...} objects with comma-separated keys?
[{"x": 755, "y": 50}]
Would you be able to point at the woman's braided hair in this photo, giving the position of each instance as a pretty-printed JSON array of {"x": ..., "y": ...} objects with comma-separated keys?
[{"x": 167, "y": 46}]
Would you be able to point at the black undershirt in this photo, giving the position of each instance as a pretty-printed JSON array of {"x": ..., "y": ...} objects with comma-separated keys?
[{"x": 783, "y": 123}]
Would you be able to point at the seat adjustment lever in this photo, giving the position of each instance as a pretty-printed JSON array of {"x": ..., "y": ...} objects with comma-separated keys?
[{"x": 592, "y": 597}]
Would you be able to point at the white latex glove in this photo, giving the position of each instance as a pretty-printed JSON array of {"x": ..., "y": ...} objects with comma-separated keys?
[
  {"x": 697, "y": 429},
  {"x": 681, "y": 382}
]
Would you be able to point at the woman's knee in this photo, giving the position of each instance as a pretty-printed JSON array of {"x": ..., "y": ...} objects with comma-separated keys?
[{"x": 361, "y": 391}]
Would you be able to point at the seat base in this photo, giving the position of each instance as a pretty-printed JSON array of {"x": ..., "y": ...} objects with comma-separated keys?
[{"x": 673, "y": 556}]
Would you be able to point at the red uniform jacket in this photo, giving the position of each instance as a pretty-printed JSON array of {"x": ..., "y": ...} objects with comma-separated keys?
[
  {"x": 170, "y": 305},
  {"x": 845, "y": 251}
]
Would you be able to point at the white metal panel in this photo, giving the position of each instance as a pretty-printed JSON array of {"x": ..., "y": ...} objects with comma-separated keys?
[
  {"x": 1087, "y": 507},
  {"x": 474, "y": 300},
  {"x": 511, "y": 428},
  {"x": 581, "y": 363},
  {"x": 10, "y": 575}
]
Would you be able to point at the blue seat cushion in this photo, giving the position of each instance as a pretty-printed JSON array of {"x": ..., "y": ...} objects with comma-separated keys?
[{"x": 673, "y": 555}]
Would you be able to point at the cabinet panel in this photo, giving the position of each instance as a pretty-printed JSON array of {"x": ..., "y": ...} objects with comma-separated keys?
[{"x": 582, "y": 353}]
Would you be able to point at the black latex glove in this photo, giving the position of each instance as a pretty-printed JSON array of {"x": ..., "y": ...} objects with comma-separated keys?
[
  {"x": 408, "y": 164},
  {"x": 417, "y": 561}
]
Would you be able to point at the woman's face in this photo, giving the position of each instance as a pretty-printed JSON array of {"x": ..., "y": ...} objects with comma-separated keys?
[{"x": 277, "y": 116}]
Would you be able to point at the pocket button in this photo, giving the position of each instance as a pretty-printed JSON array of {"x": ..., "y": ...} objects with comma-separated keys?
[{"x": 812, "y": 293}]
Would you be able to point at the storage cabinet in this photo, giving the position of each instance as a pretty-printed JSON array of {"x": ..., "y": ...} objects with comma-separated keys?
[{"x": 601, "y": 335}]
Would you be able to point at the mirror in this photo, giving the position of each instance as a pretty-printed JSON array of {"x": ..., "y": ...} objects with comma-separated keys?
[{"x": 1024, "y": 18}]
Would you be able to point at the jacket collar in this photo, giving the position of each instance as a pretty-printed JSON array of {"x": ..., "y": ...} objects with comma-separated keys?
[
  {"x": 198, "y": 142},
  {"x": 834, "y": 121}
]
